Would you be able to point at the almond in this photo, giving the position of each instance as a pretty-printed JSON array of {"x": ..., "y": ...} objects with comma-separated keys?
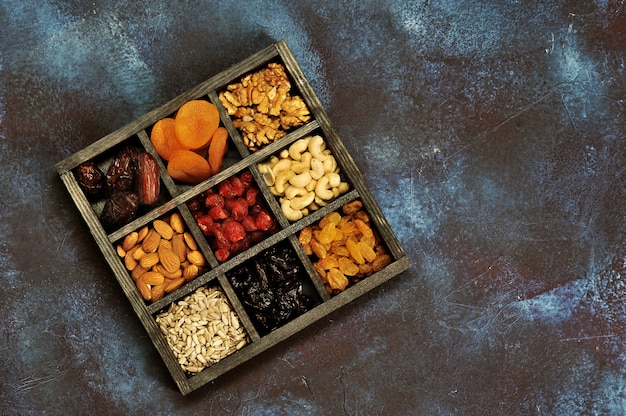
[
  {"x": 149, "y": 260},
  {"x": 157, "y": 292},
  {"x": 174, "y": 275},
  {"x": 138, "y": 253},
  {"x": 137, "y": 272},
  {"x": 191, "y": 243},
  {"x": 130, "y": 240},
  {"x": 120, "y": 251},
  {"x": 141, "y": 234},
  {"x": 144, "y": 290},
  {"x": 173, "y": 284},
  {"x": 195, "y": 257},
  {"x": 163, "y": 229},
  {"x": 169, "y": 259},
  {"x": 151, "y": 241},
  {"x": 152, "y": 278},
  {"x": 179, "y": 247},
  {"x": 129, "y": 261},
  {"x": 190, "y": 272},
  {"x": 176, "y": 222}
]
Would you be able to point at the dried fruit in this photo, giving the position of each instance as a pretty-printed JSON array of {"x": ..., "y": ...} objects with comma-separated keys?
[
  {"x": 217, "y": 149},
  {"x": 163, "y": 138},
  {"x": 188, "y": 167},
  {"x": 195, "y": 123},
  {"x": 90, "y": 179},
  {"x": 121, "y": 173},
  {"x": 148, "y": 182},
  {"x": 120, "y": 209}
]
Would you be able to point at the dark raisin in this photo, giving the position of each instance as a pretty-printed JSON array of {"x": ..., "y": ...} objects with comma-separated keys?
[{"x": 122, "y": 171}]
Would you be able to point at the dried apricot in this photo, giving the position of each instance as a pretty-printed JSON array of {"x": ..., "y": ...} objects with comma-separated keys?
[
  {"x": 163, "y": 138},
  {"x": 217, "y": 149},
  {"x": 189, "y": 167},
  {"x": 195, "y": 123}
]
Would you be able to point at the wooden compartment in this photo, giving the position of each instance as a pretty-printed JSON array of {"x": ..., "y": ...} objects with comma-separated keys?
[{"x": 179, "y": 199}]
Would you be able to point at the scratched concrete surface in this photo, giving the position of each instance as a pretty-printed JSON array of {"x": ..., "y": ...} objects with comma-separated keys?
[{"x": 491, "y": 133}]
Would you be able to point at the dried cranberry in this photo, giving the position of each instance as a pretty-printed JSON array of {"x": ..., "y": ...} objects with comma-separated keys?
[
  {"x": 237, "y": 185},
  {"x": 222, "y": 254},
  {"x": 264, "y": 221},
  {"x": 241, "y": 245},
  {"x": 249, "y": 223},
  {"x": 233, "y": 230},
  {"x": 206, "y": 224},
  {"x": 214, "y": 200},
  {"x": 194, "y": 205},
  {"x": 251, "y": 196},
  {"x": 218, "y": 213},
  {"x": 226, "y": 189},
  {"x": 221, "y": 240},
  {"x": 238, "y": 209},
  {"x": 246, "y": 178}
]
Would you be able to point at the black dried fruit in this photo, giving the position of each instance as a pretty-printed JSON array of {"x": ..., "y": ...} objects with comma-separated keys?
[
  {"x": 270, "y": 286},
  {"x": 122, "y": 171},
  {"x": 120, "y": 209},
  {"x": 90, "y": 179}
]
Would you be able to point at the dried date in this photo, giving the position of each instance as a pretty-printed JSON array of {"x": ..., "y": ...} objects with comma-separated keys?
[
  {"x": 122, "y": 171},
  {"x": 120, "y": 209},
  {"x": 148, "y": 183},
  {"x": 91, "y": 180}
]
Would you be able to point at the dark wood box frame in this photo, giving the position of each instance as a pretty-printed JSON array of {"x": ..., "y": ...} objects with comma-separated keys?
[{"x": 138, "y": 130}]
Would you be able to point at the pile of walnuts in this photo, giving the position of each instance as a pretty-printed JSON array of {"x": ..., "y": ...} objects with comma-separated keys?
[{"x": 262, "y": 108}]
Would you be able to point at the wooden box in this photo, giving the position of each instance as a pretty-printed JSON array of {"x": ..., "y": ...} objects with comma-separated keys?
[{"x": 177, "y": 197}]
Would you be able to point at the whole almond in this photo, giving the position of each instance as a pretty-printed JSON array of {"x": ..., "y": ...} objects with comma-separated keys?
[
  {"x": 191, "y": 243},
  {"x": 149, "y": 260},
  {"x": 179, "y": 247},
  {"x": 190, "y": 272},
  {"x": 169, "y": 259},
  {"x": 176, "y": 222},
  {"x": 138, "y": 253},
  {"x": 195, "y": 257},
  {"x": 144, "y": 289},
  {"x": 173, "y": 275},
  {"x": 137, "y": 272},
  {"x": 163, "y": 229},
  {"x": 153, "y": 278},
  {"x": 120, "y": 251},
  {"x": 130, "y": 240},
  {"x": 151, "y": 241},
  {"x": 173, "y": 284},
  {"x": 141, "y": 234},
  {"x": 157, "y": 292},
  {"x": 129, "y": 262}
]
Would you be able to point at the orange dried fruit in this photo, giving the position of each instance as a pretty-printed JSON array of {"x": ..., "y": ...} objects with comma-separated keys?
[
  {"x": 368, "y": 253},
  {"x": 163, "y": 138},
  {"x": 195, "y": 123},
  {"x": 355, "y": 252},
  {"x": 328, "y": 263},
  {"x": 364, "y": 228},
  {"x": 337, "y": 280},
  {"x": 347, "y": 266},
  {"x": 189, "y": 167},
  {"x": 217, "y": 149},
  {"x": 327, "y": 234}
]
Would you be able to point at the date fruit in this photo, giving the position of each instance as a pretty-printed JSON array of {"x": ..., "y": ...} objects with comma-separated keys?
[
  {"x": 120, "y": 209},
  {"x": 91, "y": 180},
  {"x": 148, "y": 183},
  {"x": 121, "y": 173}
]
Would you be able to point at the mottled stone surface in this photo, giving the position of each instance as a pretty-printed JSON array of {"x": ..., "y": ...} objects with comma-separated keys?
[{"x": 491, "y": 133}]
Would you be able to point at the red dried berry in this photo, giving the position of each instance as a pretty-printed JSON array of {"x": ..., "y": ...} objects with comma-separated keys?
[
  {"x": 238, "y": 208},
  {"x": 222, "y": 254},
  {"x": 237, "y": 185},
  {"x": 251, "y": 196},
  {"x": 218, "y": 213},
  {"x": 226, "y": 189},
  {"x": 264, "y": 221},
  {"x": 214, "y": 200},
  {"x": 241, "y": 245},
  {"x": 249, "y": 223},
  {"x": 233, "y": 230},
  {"x": 246, "y": 178},
  {"x": 206, "y": 224},
  {"x": 221, "y": 240}
]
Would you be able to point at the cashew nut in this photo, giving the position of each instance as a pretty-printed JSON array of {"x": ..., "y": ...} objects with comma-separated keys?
[
  {"x": 281, "y": 180},
  {"x": 292, "y": 192},
  {"x": 333, "y": 179},
  {"x": 316, "y": 147},
  {"x": 301, "y": 202},
  {"x": 280, "y": 166},
  {"x": 303, "y": 164},
  {"x": 291, "y": 214},
  {"x": 311, "y": 185},
  {"x": 330, "y": 164},
  {"x": 301, "y": 180},
  {"x": 317, "y": 168},
  {"x": 267, "y": 173},
  {"x": 298, "y": 147},
  {"x": 322, "y": 189}
]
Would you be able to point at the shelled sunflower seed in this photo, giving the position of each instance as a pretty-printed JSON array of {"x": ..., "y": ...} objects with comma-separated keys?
[{"x": 202, "y": 329}]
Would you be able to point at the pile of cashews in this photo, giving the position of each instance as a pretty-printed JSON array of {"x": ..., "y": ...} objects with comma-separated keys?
[{"x": 305, "y": 177}]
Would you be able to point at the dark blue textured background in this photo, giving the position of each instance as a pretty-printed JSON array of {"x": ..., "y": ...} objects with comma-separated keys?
[{"x": 491, "y": 133}]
